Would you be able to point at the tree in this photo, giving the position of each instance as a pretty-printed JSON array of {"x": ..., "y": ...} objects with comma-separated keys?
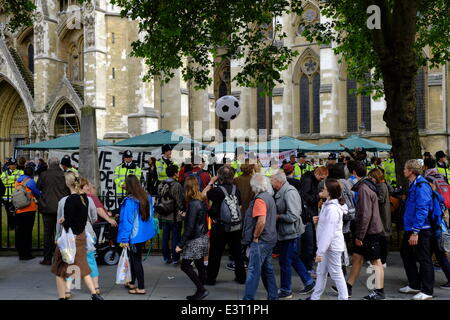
[
  {"x": 385, "y": 61},
  {"x": 20, "y": 13}
]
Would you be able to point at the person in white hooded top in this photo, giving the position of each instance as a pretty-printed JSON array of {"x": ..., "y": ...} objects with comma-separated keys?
[{"x": 330, "y": 241}]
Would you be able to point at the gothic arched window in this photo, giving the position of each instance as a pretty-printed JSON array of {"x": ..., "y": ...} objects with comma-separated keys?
[
  {"x": 309, "y": 96},
  {"x": 67, "y": 121},
  {"x": 420, "y": 99},
  {"x": 264, "y": 110},
  {"x": 358, "y": 109},
  {"x": 31, "y": 58}
]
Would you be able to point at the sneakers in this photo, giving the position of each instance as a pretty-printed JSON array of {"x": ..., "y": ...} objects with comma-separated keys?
[
  {"x": 176, "y": 262},
  {"x": 231, "y": 266},
  {"x": 96, "y": 297},
  {"x": 445, "y": 286},
  {"x": 284, "y": 295},
  {"x": 198, "y": 295},
  {"x": 422, "y": 296},
  {"x": 168, "y": 261},
  {"x": 409, "y": 290},
  {"x": 375, "y": 295},
  {"x": 308, "y": 289},
  {"x": 349, "y": 290}
]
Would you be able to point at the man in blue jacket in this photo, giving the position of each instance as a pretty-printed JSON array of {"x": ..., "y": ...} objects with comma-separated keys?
[{"x": 416, "y": 244}]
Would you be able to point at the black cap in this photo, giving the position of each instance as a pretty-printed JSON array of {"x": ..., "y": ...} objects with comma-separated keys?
[
  {"x": 427, "y": 154},
  {"x": 332, "y": 156},
  {"x": 127, "y": 154},
  {"x": 166, "y": 148},
  {"x": 301, "y": 155},
  {"x": 65, "y": 161},
  {"x": 440, "y": 154},
  {"x": 12, "y": 161}
]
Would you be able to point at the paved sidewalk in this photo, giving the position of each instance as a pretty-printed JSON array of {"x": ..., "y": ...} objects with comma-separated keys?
[{"x": 30, "y": 281}]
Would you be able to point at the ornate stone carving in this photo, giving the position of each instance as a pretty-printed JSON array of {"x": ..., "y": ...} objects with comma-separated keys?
[
  {"x": 309, "y": 66},
  {"x": 89, "y": 24},
  {"x": 39, "y": 33}
]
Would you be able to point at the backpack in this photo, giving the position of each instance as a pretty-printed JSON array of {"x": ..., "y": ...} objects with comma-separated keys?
[
  {"x": 230, "y": 212},
  {"x": 437, "y": 221},
  {"x": 20, "y": 197},
  {"x": 348, "y": 197},
  {"x": 441, "y": 187},
  {"x": 165, "y": 204}
]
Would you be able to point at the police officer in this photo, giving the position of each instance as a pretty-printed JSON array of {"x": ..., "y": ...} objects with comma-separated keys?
[
  {"x": 66, "y": 165},
  {"x": 164, "y": 162},
  {"x": 301, "y": 167},
  {"x": 274, "y": 165},
  {"x": 239, "y": 159},
  {"x": 332, "y": 159},
  {"x": 128, "y": 167},
  {"x": 9, "y": 178},
  {"x": 389, "y": 170},
  {"x": 442, "y": 165}
]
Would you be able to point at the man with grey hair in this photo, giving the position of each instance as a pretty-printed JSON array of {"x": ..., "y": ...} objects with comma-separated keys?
[
  {"x": 259, "y": 234},
  {"x": 290, "y": 227},
  {"x": 416, "y": 244},
  {"x": 52, "y": 185}
]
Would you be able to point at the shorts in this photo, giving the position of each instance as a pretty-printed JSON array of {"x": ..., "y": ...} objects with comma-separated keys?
[{"x": 371, "y": 249}]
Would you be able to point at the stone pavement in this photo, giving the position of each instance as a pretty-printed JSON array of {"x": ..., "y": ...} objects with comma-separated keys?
[{"x": 28, "y": 280}]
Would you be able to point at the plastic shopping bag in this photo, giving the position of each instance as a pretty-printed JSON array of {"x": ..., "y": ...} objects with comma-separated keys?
[
  {"x": 123, "y": 274},
  {"x": 90, "y": 242},
  {"x": 67, "y": 246}
]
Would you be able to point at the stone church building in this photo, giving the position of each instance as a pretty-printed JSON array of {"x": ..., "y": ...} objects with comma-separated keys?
[{"x": 80, "y": 55}]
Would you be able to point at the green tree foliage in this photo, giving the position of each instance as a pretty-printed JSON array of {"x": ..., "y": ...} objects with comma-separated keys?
[{"x": 20, "y": 13}]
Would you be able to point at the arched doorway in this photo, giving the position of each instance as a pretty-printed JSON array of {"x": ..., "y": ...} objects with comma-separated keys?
[
  {"x": 14, "y": 123},
  {"x": 66, "y": 121}
]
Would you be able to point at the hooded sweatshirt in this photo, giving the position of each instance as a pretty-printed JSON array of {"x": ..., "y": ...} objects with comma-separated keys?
[{"x": 329, "y": 229}]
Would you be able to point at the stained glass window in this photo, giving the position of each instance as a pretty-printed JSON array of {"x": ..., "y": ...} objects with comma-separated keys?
[
  {"x": 304, "y": 105},
  {"x": 316, "y": 104},
  {"x": 366, "y": 120}
]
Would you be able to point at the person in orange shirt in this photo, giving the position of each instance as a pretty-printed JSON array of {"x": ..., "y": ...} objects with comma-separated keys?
[{"x": 25, "y": 216}]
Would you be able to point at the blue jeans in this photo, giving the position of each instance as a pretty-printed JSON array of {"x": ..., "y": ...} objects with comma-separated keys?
[
  {"x": 307, "y": 246},
  {"x": 260, "y": 266},
  {"x": 289, "y": 258},
  {"x": 169, "y": 227}
]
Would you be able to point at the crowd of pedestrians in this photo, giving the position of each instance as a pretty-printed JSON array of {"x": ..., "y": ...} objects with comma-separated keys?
[{"x": 315, "y": 219}]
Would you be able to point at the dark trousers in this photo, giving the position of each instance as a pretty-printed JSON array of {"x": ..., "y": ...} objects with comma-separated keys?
[
  {"x": 441, "y": 257},
  {"x": 422, "y": 279},
  {"x": 24, "y": 232},
  {"x": 384, "y": 246},
  {"x": 168, "y": 228},
  {"x": 136, "y": 268},
  {"x": 197, "y": 279},
  {"x": 307, "y": 246},
  {"x": 49, "y": 221},
  {"x": 9, "y": 215},
  {"x": 218, "y": 239}
]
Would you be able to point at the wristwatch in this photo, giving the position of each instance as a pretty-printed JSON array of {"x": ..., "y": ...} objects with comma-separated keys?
[{"x": 415, "y": 233}]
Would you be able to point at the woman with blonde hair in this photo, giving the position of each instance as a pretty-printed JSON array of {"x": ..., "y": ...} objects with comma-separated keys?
[
  {"x": 74, "y": 211},
  {"x": 194, "y": 242}
]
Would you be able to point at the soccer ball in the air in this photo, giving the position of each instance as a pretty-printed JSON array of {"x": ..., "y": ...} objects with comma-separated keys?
[{"x": 227, "y": 108}]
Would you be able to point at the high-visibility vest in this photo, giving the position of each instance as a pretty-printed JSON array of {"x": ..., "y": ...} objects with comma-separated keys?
[
  {"x": 161, "y": 167},
  {"x": 236, "y": 165},
  {"x": 72, "y": 169},
  {"x": 444, "y": 170},
  {"x": 298, "y": 171},
  {"x": 120, "y": 174},
  {"x": 9, "y": 180},
  {"x": 389, "y": 170}
]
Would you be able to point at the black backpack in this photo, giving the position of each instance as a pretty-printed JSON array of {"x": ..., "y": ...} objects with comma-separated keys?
[{"x": 165, "y": 203}]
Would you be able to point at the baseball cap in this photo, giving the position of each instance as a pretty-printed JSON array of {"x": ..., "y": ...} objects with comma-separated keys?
[
  {"x": 127, "y": 154},
  {"x": 288, "y": 168},
  {"x": 65, "y": 161}
]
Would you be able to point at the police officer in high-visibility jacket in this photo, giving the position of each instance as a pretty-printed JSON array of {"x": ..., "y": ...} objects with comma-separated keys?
[
  {"x": 442, "y": 165},
  {"x": 128, "y": 167},
  {"x": 66, "y": 165},
  {"x": 164, "y": 162},
  {"x": 9, "y": 178},
  {"x": 274, "y": 165},
  {"x": 389, "y": 170},
  {"x": 301, "y": 167},
  {"x": 239, "y": 160}
]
